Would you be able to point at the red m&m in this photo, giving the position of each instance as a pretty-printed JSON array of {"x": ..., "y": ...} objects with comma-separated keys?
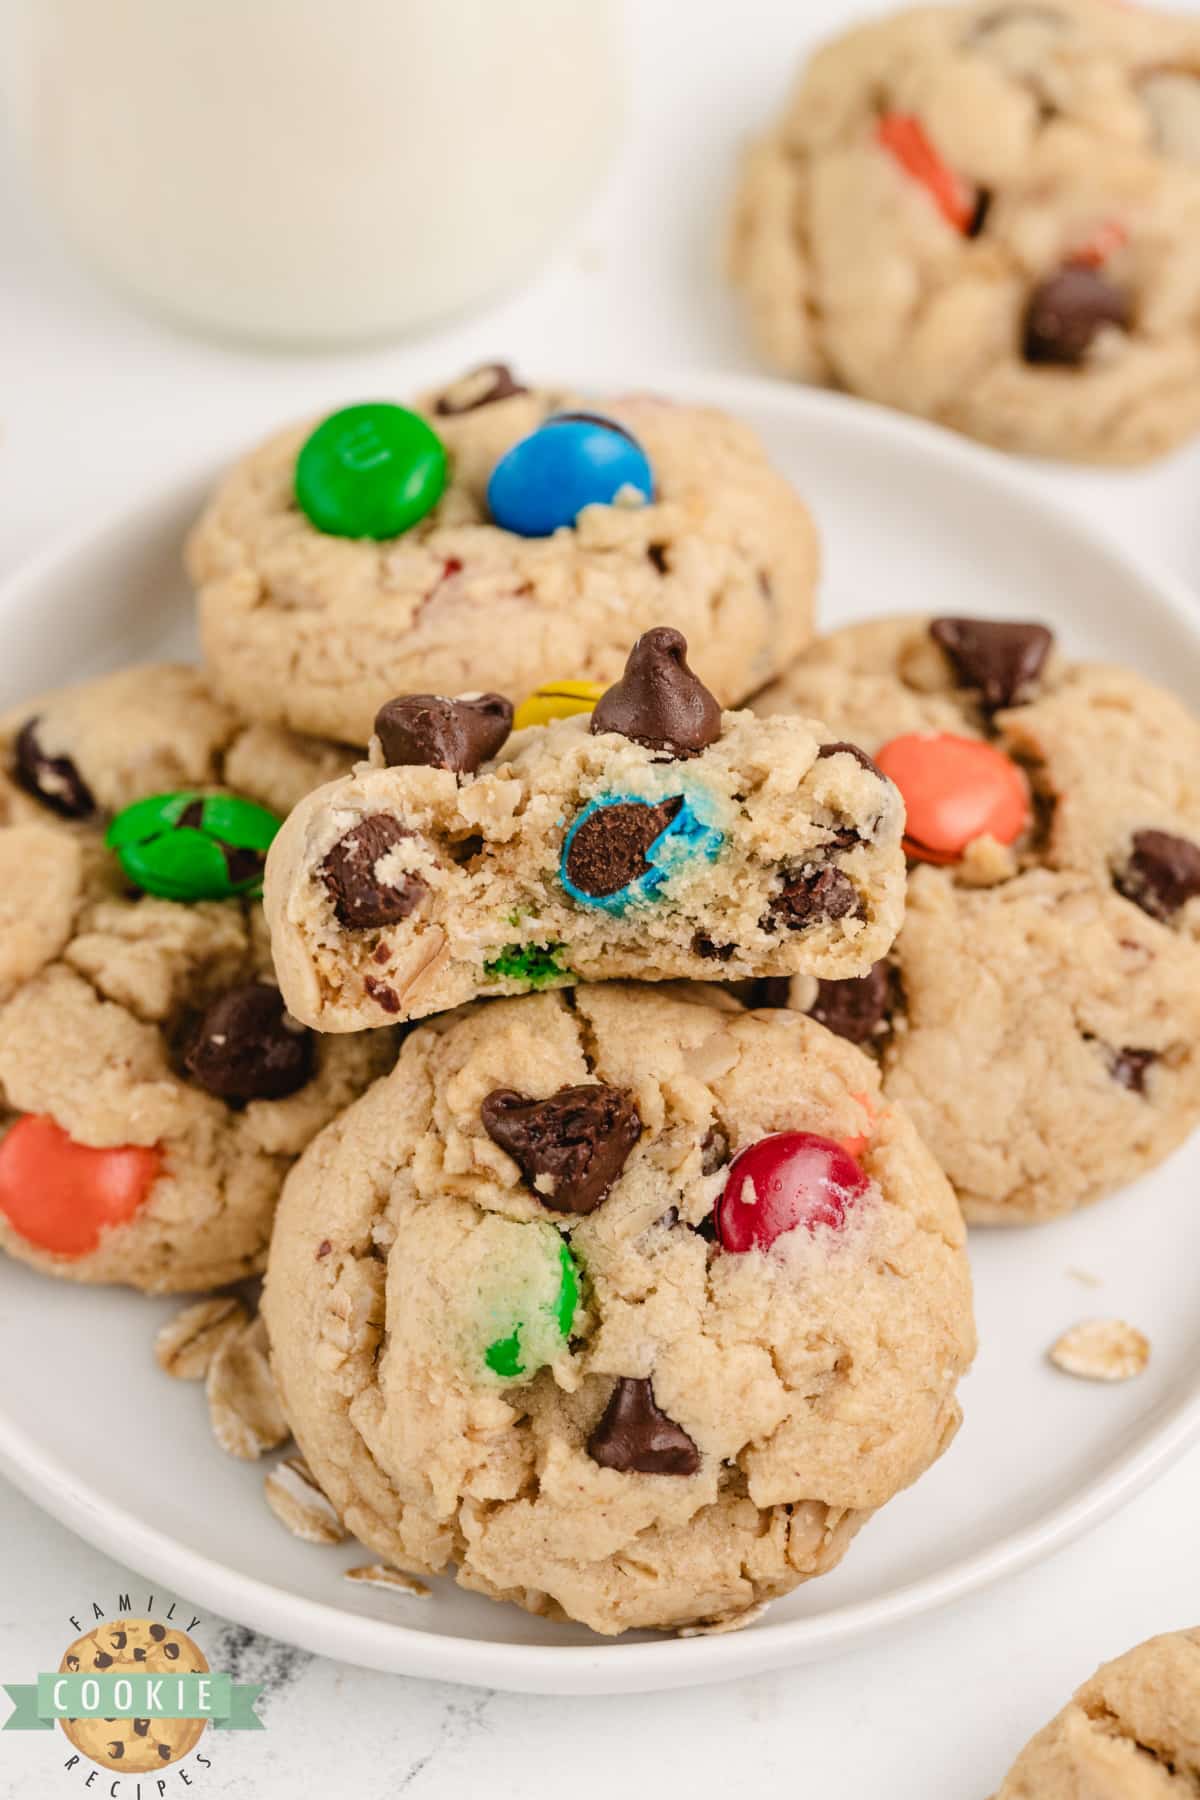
[
  {"x": 789, "y": 1179},
  {"x": 955, "y": 789},
  {"x": 61, "y": 1196}
]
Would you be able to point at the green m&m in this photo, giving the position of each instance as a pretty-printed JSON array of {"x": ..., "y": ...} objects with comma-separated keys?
[
  {"x": 518, "y": 1295},
  {"x": 189, "y": 846},
  {"x": 370, "y": 471}
]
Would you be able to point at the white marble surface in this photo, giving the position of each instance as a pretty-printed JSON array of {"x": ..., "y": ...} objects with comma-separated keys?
[{"x": 95, "y": 401}]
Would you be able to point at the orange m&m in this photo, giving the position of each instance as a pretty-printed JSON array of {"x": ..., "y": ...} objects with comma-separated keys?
[
  {"x": 955, "y": 790},
  {"x": 60, "y": 1195}
]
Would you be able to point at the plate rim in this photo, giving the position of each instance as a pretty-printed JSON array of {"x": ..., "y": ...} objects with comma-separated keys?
[{"x": 614, "y": 1666}]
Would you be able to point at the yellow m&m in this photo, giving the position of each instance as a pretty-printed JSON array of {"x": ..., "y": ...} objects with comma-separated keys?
[{"x": 558, "y": 700}]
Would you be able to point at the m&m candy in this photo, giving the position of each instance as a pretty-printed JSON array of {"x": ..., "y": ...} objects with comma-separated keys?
[
  {"x": 955, "y": 789},
  {"x": 188, "y": 846},
  {"x": 786, "y": 1180},
  {"x": 370, "y": 471},
  {"x": 572, "y": 461},
  {"x": 557, "y": 700},
  {"x": 532, "y": 1301},
  {"x": 62, "y": 1196}
]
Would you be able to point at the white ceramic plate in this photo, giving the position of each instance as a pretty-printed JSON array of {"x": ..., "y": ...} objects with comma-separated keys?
[{"x": 912, "y": 518}]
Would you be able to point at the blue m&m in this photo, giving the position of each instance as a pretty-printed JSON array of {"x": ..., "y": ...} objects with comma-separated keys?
[{"x": 571, "y": 461}]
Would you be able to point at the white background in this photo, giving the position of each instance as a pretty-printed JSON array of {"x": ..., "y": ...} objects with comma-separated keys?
[{"x": 95, "y": 402}]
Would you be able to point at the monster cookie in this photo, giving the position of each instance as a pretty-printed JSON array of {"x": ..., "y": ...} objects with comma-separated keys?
[
  {"x": 655, "y": 836},
  {"x": 154, "y": 1089},
  {"x": 1130, "y": 1733},
  {"x": 134, "y": 1647},
  {"x": 496, "y": 539},
  {"x": 985, "y": 214},
  {"x": 630, "y": 1304},
  {"x": 1040, "y": 1012}
]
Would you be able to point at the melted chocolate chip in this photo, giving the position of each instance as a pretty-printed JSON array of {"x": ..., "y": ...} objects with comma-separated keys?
[
  {"x": 841, "y": 748},
  {"x": 1067, "y": 311},
  {"x": 658, "y": 701},
  {"x": 1162, "y": 874},
  {"x": 1000, "y": 659},
  {"x": 703, "y": 945},
  {"x": 570, "y": 1147},
  {"x": 1128, "y": 1067},
  {"x": 482, "y": 387},
  {"x": 439, "y": 733},
  {"x": 360, "y": 899},
  {"x": 635, "y": 1436},
  {"x": 54, "y": 780},
  {"x": 813, "y": 898},
  {"x": 246, "y": 1047},
  {"x": 855, "y": 1010},
  {"x": 609, "y": 849}
]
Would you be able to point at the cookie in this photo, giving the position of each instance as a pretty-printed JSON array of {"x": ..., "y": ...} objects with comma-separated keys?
[
  {"x": 654, "y": 837},
  {"x": 154, "y": 1090},
  {"x": 1040, "y": 1012},
  {"x": 631, "y": 1305},
  {"x": 1132, "y": 1732},
  {"x": 312, "y": 630},
  {"x": 136, "y": 1647},
  {"x": 1016, "y": 188}
]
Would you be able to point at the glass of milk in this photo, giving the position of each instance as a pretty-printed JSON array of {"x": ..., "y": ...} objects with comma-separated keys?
[{"x": 314, "y": 171}]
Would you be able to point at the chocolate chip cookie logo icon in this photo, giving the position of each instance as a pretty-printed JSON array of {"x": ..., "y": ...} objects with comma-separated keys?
[{"x": 133, "y": 1695}]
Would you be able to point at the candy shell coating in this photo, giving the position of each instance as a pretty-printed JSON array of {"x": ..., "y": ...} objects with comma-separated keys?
[
  {"x": 557, "y": 700},
  {"x": 547, "y": 479},
  {"x": 955, "y": 789},
  {"x": 370, "y": 471},
  {"x": 61, "y": 1196}
]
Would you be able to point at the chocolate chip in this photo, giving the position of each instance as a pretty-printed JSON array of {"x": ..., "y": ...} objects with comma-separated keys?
[
  {"x": 1002, "y": 660},
  {"x": 1162, "y": 874},
  {"x": 608, "y": 851},
  {"x": 841, "y": 748},
  {"x": 164, "y": 1750},
  {"x": 360, "y": 899},
  {"x": 158, "y": 1633},
  {"x": 383, "y": 995},
  {"x": 439, "y": 733},
  {"x": 703, "y": 945},
  {"x": 657, "y": 554},
  {"x": 1128, "y": 1067},
  {"x": 854, "y": 1009},
  {"x": 770, "y": 990},
  {"x": 812, "y": 898},
  {"x": 570, "y": 1147},
  {"x": 116, "y": 1748},
  {"x": 714, "y": 1150},
  {"x": 482, "y": 387},
  {"x": 54, "y": 780},
  {"x": 1068, "y": 310},
  {"x": 171, "y": 1652},
  {"x": 102, "y": 1660},
  {"x": 978, "y": 220},
  {"x": 246, "y": 1047},
  {"x": 658, "y": 701},
  {"x": 636, "y": 1436},
  {"x": 139, "y": 1654},
  {"x": 118, "y": 1639},
  {"x": 141, "y": 1727}
]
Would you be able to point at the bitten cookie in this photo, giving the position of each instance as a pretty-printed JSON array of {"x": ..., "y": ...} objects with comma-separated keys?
[
  {"x": 476, "y": 545},
  {"x": 154, "y": 1089},
  {"x": 631, "y": 1305},
  {"x": 653, "y": 837},
  {"x": 1040, "y": 1012},
  {"x": 1130, "y": 1733},
  {"x": 985, "y": 214}
]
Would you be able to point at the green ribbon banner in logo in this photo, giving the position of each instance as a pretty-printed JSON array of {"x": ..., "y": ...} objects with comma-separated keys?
[{"x": 229, "y": 1704}]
